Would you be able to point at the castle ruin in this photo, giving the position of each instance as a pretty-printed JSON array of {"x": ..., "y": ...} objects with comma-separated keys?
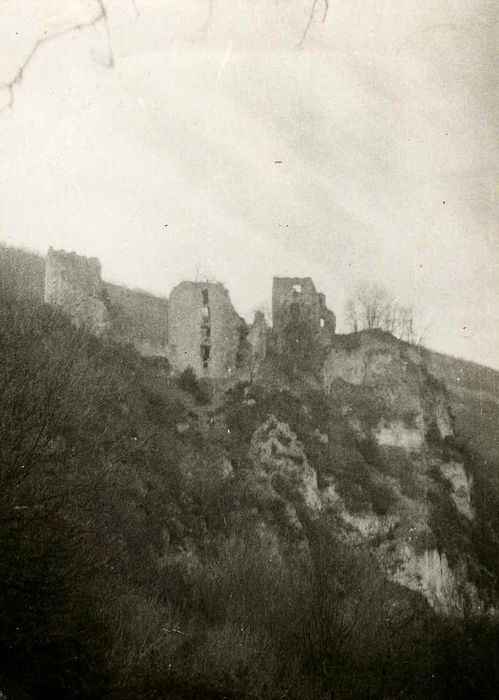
[
  {"x": 204, "y": 330},
  {"x": 74, "y": 283},
  {"x": 197, "y": 326},
  {"x": 296, "y": 300}
]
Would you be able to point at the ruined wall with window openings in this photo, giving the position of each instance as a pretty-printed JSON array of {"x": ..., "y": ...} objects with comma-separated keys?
[
  {"x": 295, "y": 300},
  {"x": 196, "y": 326}
]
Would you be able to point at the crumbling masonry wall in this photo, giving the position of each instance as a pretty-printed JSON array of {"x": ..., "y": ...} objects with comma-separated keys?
[
  {"x": 203, "y": 329},
  {"x": 257, "y": 339},
  {"x": 296, "y": 299},
  {"x": 73, "y": 283},
  {"x": 197, "y": 326}
]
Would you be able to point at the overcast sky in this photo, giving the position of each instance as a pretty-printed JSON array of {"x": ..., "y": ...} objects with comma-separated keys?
[{"x": 219, "y": 146}]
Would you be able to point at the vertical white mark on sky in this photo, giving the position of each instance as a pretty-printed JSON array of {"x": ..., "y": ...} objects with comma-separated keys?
[
  {"x": 406, "y": 100},
  {"x": 225, "y": 60}
]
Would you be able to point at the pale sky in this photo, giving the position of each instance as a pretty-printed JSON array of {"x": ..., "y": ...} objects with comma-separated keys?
[{"x": 384, "y": 123}]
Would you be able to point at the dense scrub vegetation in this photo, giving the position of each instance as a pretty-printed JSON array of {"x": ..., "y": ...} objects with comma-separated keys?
[{"x": 141, "y": 557}]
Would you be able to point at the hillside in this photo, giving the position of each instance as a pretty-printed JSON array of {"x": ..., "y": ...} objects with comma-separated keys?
[
  {"x": 474, "y": 396},
  {"x": 329, "y": 529},
  {"x": 23, "y": 270}
]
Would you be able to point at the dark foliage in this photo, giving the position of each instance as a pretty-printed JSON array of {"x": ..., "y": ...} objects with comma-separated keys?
[
  {"x": 199, "y": 389},
  {"x": 138, "y": 560}
]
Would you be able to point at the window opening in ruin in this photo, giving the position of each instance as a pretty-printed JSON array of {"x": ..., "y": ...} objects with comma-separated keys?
[
  {"x": 206, "y": 331},
  {"x": 294, "y": 312},
  {"x": 205, "y": 297},
  {"x": 297, "y": 288},
  {"x": 205, "y": 312},
  {"x": 322, "y": 323},
  {"x": 205, "y": 355}
]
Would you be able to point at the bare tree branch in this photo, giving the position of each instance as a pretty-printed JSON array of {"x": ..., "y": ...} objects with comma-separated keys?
[
  {"x": 209, "y": 15},
  {"x": 326, "y": 10},
  {"x": 135, "y": 8},
  {"x": 101, "y": 16},
  {"x": 311, "y": 19}
]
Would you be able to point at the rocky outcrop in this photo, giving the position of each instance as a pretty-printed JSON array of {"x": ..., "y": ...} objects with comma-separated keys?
[
  {"x": 447, "y": 590},
  {"x": 396, "y": 407},
  {"x": 461, "y": 486},
  {"x": 397, "y": 434},
  {"x": 406, "y": 401},
  {"x": 280, "y": 460}
]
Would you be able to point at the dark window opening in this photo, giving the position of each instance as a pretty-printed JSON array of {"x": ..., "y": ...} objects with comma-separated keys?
[
  {"x": 205, "y": 355},
  {"x": 294, "y": 312},
  {"x": 206, "y": 332},
  {"x": 205, "y": 297}
]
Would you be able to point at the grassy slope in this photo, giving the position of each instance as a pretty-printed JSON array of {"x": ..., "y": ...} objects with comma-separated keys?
[
  {"x": 24, "y": 270},
  {"x": 474, "y": 392}
]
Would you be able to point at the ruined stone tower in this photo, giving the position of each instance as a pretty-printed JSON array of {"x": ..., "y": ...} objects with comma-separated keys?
[
  {"x": 203, "y": 329},
  {"x": 74, "y": 284},
  {"x": 296, "y": 299}
]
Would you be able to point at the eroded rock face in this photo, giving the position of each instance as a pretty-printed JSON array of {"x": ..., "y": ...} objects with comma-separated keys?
[
  {"x": 387, "y": 427},
  {"x": 443, "y": 418},
  {"x": 461, "y": 487},
  {"x": 446, "y": 589},
  {"x": 426, "y": 571},
  {"x": 396, "y": 434},
  {"x": 407, "y": 401},
  {"x": 384, "y": 390},
  {"x": 278, "y": 454}
]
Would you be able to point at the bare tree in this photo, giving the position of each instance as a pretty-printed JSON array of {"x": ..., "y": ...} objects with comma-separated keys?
[
  {"x": 352, "y": 316},
  {"x": 405, "y": 324},
  {"x": 368, "y": 308},
  {"x": 371, "y": 306},
  {"x": 100, "y": 16}
]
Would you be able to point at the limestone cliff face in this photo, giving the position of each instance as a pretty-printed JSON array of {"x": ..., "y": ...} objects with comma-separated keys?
[
  {"x": 402, "y": 539},
  {"x": 405, "y": 398},
  {"x": 281, "y": 463},
  {"x": 447, "y": 589},
  {"x": 393, "y": 482}
]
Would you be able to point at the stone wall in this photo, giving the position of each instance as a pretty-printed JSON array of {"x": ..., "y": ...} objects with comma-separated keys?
[
  {"x": 296, "y": 299},
  {"x": 140, "y": 319},
  {"x": 204, "y": 329},
  {"x": 257, "y": 339},
  {"x": 197, "y": 326},
  {"x": 73, "y": 283}
]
